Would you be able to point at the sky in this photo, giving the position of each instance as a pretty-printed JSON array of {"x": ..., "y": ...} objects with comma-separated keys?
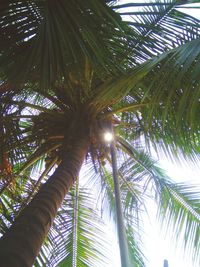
[{"x": 158, "y": 246}]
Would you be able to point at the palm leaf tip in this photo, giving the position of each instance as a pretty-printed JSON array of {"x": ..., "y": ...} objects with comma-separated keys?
[{"x": 179, "y": 212}]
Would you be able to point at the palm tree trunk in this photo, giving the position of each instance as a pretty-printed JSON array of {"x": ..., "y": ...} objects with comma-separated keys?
[
  {"x": 124, "y": 255},
  {"x": 166, "y": 263},
  {"x": 21, "y": 244}
]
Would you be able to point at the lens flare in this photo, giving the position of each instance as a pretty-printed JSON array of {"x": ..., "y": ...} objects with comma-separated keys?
[{"x": 108, "y": 137}]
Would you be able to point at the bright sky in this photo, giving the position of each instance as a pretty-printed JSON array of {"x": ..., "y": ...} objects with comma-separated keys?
[{"x": 158, "y": 246}]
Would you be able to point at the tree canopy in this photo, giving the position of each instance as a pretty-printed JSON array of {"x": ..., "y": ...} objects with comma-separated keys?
[{"x": 68, "y": 67}]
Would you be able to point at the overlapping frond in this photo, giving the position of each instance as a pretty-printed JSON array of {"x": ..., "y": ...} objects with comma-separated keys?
[
  {"x": 75, "y": 50},
  {"x": 91, "y": 244},
  {"x": 45, "y": 39},
  {"x": 78, "y": 236},
  {"x": 159, "y": 26},
  {"x": 178, "y": 203},
  {"x": 131, "y": 205},
  {"x": 179, "y": 212},
  {"x": 159, "y": 100},
  {"x": 172, "y": 91},
  {"x": 12, "y": 199}
]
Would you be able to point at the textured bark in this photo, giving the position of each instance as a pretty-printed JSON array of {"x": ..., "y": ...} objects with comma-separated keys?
[{"x": 21, "y": 244}]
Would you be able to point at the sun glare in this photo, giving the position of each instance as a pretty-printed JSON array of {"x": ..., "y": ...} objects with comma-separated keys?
[{"x": 108, "y": 137}]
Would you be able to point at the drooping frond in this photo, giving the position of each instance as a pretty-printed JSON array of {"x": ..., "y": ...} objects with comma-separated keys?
[
  {"x": 131, "y": 194},
  {"x": 159, "y": 100},
  {"x": 88, "y": 247},
  {"x": 30, "y": 32},
  {"x": 179, "y": 212},
  {"x": 172, "y": 92},
  {"x": 12, "y": 199},
  {"x": 178, "y": 204},
  {"x": 154, "y": 102},
  {"x": 91, "y": 242},
  {"x": 135, "y": 252},
  {"x": 158, "y": 26}
]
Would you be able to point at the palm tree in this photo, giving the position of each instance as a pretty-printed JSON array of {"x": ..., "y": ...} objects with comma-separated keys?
[{"x": 154, "y": 103}]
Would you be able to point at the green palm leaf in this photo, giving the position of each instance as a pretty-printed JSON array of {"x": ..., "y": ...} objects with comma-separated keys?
[
  {"x": 159, "y": 25},
  {"x": 140, "y": 77},
  {"x": 130, "y": 202},
  {"x": 28, "y": 27},
  {"x": 178, "y": 204},
  {"x": 78, "y": 232},
  {"x": 179, "y": 207}
]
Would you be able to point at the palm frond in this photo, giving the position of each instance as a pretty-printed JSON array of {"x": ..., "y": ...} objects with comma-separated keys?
[
  {"x": 91, "y": 243},
  {"x": 131, "y": 202},
  {"x": 179, "y": 212},
  {"x": 28, "y": 27},
  {"x": 135, "y": 252},
  {"x": 159, "y": 26},
  {"x": 173, "y": 114},
  {"x": 166, "y": 102},
  {"x": 178, "y": 204},
  {"x": 76, "y": 51}
]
